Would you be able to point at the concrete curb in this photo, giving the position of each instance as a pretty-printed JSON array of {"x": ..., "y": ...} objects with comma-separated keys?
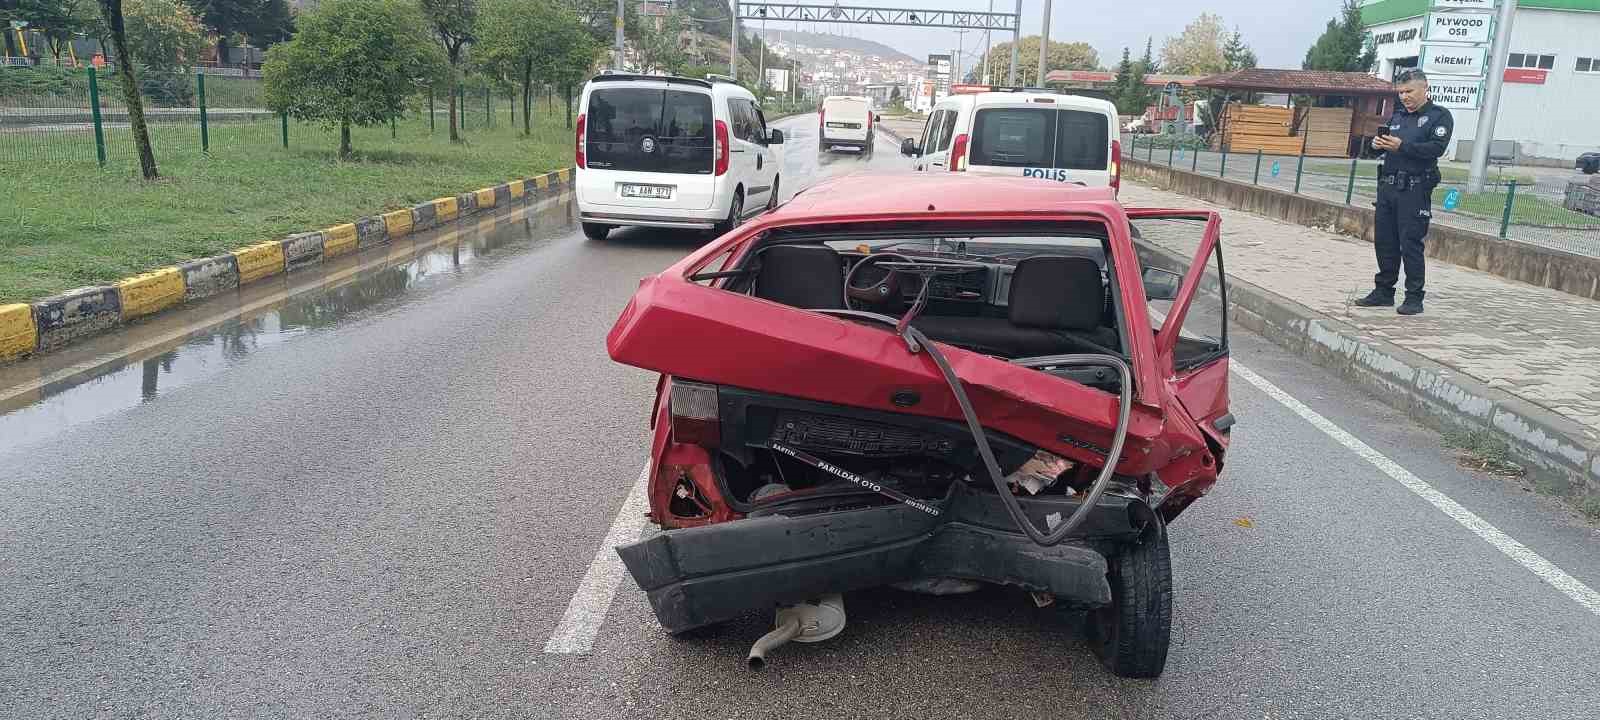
[
  {"x": 52, "y": 323},
  {"x": 1563, "y": 457},
  {"x": 1572, "y": 274}
]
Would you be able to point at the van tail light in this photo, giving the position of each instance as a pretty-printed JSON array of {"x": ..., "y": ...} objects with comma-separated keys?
[
  {"x": 1116, "y": 166},
  {"x": 722, "y": 148},
  {"x": 578, "y": 143},
  {"x": 958, "y": 154},
  {"x": 695, "y": 420},
  {"x": 822, "y": 117}
]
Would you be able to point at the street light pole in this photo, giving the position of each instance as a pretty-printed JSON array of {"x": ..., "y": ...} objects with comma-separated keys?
[
  {"x": 1499, "y": 51},
  {"x": 1016, "y": 40},
  {"x": 616, "y": 52},
  {"x": 733, "y": 43},
  {"x": 988, "y": 38},
  {"x": 1044, "y": 40}
]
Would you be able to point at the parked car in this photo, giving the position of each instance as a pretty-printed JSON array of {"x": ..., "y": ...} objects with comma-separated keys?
[
  {"x": 919, "y": 379},
  {"x": 1589, "y": 163},
  {"x": 674, "y": 152},
  {"x": 846, "y": 121},
  {"x": 1046, "y": 136}
]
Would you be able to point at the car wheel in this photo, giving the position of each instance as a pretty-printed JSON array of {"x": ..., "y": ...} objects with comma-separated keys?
[
  {"x": 1591, "y": 168},
  {"x": 1132, "y": 634},
  {"x": 772, "y": 196},
  {"x": 596, "y": 231},
  {"x": 735, "y": 214}
]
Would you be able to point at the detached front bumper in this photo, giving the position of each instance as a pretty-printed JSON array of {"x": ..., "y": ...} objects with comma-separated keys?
[{"x": 704, "y": 575}]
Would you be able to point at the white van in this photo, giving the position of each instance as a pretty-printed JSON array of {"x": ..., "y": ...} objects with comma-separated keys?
[
  {"x": 674, "y": 152},
  {"x": 1027, "y": 133},
  {"x": 845, "y": 121}
]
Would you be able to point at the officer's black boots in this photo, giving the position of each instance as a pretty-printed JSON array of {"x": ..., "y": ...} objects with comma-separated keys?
[
  {"x": 1380, "y": 297},
  {"x": 1412, "y": 305}
]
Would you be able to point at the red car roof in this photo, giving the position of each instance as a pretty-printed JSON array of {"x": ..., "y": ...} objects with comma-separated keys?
[{"x": 909, "y": 194}]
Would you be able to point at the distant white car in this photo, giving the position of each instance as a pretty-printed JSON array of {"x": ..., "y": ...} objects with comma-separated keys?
[
  {"x": 1049, "y": 136},
  {"x": 674, "y": 152},
  {"x": 845, "y": 121}
]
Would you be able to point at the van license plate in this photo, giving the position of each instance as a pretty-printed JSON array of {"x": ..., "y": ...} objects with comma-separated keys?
[{"x": 654, "y": 192}]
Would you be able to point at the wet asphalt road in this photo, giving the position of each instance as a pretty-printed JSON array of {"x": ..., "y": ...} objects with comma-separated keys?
[{"x": 378, "y": 502}]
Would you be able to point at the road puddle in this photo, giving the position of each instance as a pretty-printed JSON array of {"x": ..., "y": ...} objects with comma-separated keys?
[{"x": 118, "y": 371}]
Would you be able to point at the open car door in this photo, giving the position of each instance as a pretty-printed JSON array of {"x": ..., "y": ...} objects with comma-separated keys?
[{"x": 1188, "y": 303}]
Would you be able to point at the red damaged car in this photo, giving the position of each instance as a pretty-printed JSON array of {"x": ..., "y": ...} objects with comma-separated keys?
[{"x": 918, "y": 381}]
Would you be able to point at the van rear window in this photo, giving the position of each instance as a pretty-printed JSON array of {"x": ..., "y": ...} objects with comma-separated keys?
[
  {"x": 1039, "y": 137},
  {"x": 649, "y": 130}
]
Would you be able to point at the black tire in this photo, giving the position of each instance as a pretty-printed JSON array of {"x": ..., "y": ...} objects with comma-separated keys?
[
  {"x": 1132, "y": 634},
  {"x": 734, "y": 212},
  {"x": 772, "y": 195},
  {"x": 596, "y": 231},
  {"x": 1591, "y": 168}
]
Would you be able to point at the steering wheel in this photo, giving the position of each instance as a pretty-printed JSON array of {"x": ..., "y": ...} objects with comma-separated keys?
[{"x": 867, "y": 283}]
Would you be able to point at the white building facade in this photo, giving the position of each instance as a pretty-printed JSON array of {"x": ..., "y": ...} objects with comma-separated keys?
[{"x": 1550, "y": 102}]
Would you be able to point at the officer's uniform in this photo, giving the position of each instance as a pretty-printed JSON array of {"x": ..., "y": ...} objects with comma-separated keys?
[{"x": 1405, "y": 195}]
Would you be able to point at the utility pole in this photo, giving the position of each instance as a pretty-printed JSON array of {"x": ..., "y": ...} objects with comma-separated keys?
[
  {"x": 1016, "y": 39},
  {"x": 1044, "y": 41},
  {"x": 733, "y": 43},
  {"x": 761, "y": 64},
  {"x": 616, "y": 52},
  {"x": 1499, "y": 51},
  {"x": 988, "y": 37},
  {"x": 960, "y": 45}
]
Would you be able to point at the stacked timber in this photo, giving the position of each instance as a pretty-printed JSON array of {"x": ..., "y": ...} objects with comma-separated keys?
[
  {"x": 1327, "y": 132},
  {"x": 1248, "y": 128}
]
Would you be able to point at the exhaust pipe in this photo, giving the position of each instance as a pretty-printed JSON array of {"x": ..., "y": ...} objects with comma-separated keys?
[
  {"x": 806, "y": 622},
  {"x": 784, "y": 633}
]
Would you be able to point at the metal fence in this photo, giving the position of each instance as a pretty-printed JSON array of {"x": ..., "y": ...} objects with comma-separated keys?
[
  {"x": 1519, "y": 204},
  {"x": 78, "y": 117}
]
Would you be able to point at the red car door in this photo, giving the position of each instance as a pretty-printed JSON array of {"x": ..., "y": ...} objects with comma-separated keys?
[{"x": 1192, "y": 339}]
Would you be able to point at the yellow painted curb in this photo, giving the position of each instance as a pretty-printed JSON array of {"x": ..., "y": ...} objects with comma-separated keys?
[
  {"x": 338, "y": 240},
  {"x": 398, "y": 223},
  {"x": 259, "y": 261},
  {"x": 150, "y": 292},
  {"x": 486, "y": 198},
  {"x": 542, "y": 182},
  {"x": 518, "y": 188},
  {"x": 562, "y": 175},
  {"x": 17, "y": 334},
  {"x": 445, "y": 209}
]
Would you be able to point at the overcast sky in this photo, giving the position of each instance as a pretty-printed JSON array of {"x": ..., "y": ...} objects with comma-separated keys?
[{"x": 1279, "y": 32}]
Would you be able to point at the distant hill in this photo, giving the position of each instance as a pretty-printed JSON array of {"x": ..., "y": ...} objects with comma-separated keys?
[{"x": 835, "y": 42}]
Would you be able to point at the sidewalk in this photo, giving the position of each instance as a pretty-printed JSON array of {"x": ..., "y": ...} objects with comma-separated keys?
[{"x": 1530, "y": 343}]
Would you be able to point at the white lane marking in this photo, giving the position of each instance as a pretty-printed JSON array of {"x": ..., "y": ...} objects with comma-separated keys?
[
  {"x": 587, "y": 610},
  {"x": 1546, "y": 570}
]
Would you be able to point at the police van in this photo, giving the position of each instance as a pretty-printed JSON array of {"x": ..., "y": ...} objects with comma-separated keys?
[
  {"x": 1030, "y": 133},
  {"x": 674, "y": 152}
]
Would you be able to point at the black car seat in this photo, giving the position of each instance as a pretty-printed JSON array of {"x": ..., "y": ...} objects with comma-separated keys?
[
  {"x": 810, "y": 277},
  {"x": 1054, "y": 308}
]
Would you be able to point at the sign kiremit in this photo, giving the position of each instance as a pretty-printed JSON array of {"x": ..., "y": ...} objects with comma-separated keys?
[
  {"x": 1458, "y": 27},
  {"x": 1455, "y": 94},
  {"x": 1454, "y": 60}
]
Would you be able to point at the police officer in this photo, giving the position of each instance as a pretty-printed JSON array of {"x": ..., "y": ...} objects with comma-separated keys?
[{"x": 1418, "y": 133}]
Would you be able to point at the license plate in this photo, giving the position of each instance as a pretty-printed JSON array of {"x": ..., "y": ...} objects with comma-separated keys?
[
  {"x": 847, "y": 126},
  {"x": 653, "y": 192}
]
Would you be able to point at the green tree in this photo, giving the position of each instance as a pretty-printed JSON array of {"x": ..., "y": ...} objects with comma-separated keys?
[
  {"x": 1122, "y": 87},
  {"x": 1236, "y": 55},
  {"x": 454, "y": 23},
  {"x": 661, "y": 50},
  {"x": 262, "y": 22},
  {"x": 1198, "y": 49},
  {"x": 353, "y": 62},
  {"x": 1062, "y": 56},
  {"x": 1344, "y": 46},
  {"x": 117, "y": 28},
  {"x": 527, "y": 43},
  {"x": 57, "y": 20},
  {"x": 166, "y": 41}
]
